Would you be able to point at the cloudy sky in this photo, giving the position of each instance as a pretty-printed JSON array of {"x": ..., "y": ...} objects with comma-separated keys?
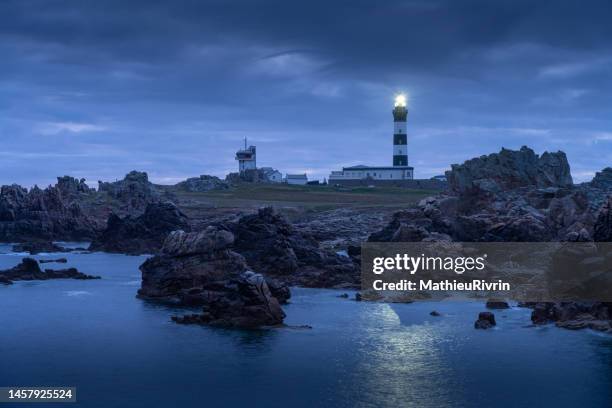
[{"x": 97, "y": 88}]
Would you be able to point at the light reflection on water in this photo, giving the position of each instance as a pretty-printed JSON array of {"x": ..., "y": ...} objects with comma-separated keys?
[{"x": 122, "y": 351}]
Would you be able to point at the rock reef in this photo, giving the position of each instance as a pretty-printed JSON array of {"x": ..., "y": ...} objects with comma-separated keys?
[{"x": 29, "y": 269}]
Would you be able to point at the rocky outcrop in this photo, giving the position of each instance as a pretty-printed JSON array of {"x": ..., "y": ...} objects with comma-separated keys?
[
  {"x": 602, "y": 231},
  {"x": 190, "y": 265},
  {"x": 29, "y": 269},
  {"x": 35, "y": 247},
  {"x": 486, "y": 320},
  {"x": 242, "y": 302},
  {"x": 202, "y": 184},
  {"x": 200, "y": 268},
  {"x": 510, "y": 169},
  {"x": 603, "y": 179},
  {"x": 52, "y": 213},
  {"x": 135, "y": 191},
  {"x": 574, "y": 315},
  {"x": 272, "y": 246},
  {"x": 510, "y": 196},
  {"x": 143, "y": 234}
]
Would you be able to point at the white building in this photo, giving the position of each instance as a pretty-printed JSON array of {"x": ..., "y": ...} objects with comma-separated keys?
[
  {"x": 297, "y": 179},
  {"x": 272, "y": 175},
  {"x": 400, "y": 169},
  {"x": 247, "y": 158}
]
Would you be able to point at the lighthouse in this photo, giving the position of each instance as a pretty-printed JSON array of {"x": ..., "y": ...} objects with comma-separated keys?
[
  {"x": 400, "y": 139},
  {"x": 399, "y": 174}
]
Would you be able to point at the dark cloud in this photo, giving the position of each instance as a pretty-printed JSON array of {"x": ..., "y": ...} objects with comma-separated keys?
[{"x": 97, "y": 88}]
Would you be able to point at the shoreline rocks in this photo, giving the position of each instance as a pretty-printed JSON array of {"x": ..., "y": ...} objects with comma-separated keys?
[
  {"x": 242, "y": 302},
  {"x": 574, "y": 315},
  {"x": 201, "y": 268},
  {"x": 144, "y": 234},
  {"x": 29, "y": 269},
  {"x": 35, "y": 247}
]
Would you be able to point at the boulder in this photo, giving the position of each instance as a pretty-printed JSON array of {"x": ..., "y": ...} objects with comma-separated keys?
[
  {"x": 244, "y": 301},
  {"x": 143, "y": 234},
  {"x": 191, "y": 264},
  {"x": 486, "y": 320}
]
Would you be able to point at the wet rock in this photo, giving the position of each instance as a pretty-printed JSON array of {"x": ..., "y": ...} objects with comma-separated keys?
[
  {"x": 143, "y": 234},
  {"x": 486, "y": 320},
  {"x": 58, "y": 260},
  {"x": 435, "y": 313},
  {"x": 29, "y": 269},
  {"x": 279, "y": 290},
  {"x": 202, "y": 261},
  {"x": 35, "y": 247},
  {"x": 344, "y": 296},
  {"x": 574, "y": 315},
  {"x": 358, "y": 297},
  {"x": 497, "y": 304},
  {"x": 244, "y": 301}
]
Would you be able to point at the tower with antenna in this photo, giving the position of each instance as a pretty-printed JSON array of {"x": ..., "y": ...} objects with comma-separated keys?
[{"x": 247, "y": 158}]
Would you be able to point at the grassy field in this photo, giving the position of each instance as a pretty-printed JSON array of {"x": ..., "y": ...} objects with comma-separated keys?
[{"x": 314, "y": 197}]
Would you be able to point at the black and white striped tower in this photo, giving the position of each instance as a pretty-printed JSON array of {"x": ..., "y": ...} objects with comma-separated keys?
[{"x": 400, "y": 140}]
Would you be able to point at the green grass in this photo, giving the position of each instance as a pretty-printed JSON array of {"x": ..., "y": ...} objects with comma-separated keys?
[{"x": 247, "y": 195}]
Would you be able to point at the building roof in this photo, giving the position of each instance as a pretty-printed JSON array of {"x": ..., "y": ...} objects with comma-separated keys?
[
  {"x": 297, "y": 176},
  {"x": 361, "y": 167}
]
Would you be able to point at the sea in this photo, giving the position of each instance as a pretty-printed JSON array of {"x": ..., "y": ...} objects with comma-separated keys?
[{"x": 121, "y": 351}]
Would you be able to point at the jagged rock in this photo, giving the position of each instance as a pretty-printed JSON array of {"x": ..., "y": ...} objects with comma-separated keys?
[
  {"x": 603, "y": 179},
  {"x": 36, "y": 247},
  {"x": 135, "y": 191},
  {"x": 244, "y": 301},
  {"x": 532, "y": 200},
  {"x": 45, "y": 214},
  {"x": 195, "y": 263},
  {"x": 202, "y": 184},
  {"x": 510, "y": 169},
  {"x": 143, "y": 234},
  {"x": 29, "y": 269},
  {"x": 272, "y": 246},
  {"x": 200, "y": 268},
  {"x": 486, "y": 320},
  {"x": 574, "y": 315}
]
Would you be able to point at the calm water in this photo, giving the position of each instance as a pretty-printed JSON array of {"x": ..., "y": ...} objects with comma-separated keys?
[{"x": 121, "y": 351}]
